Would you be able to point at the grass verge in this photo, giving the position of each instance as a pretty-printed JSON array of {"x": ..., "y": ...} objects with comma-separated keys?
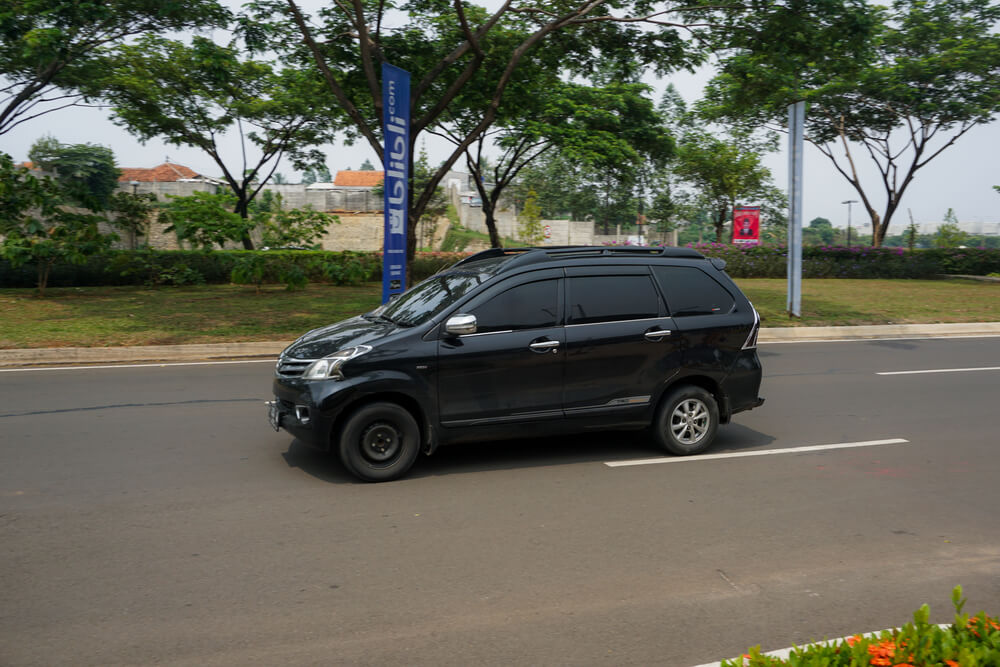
[{"x": 114, "y": 316}]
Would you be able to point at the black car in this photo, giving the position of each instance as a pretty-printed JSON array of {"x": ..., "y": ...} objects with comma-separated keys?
[{"x": 529, "y": 341}]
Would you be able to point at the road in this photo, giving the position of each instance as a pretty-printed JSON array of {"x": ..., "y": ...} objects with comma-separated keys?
[{"x": 148, "y": 515}]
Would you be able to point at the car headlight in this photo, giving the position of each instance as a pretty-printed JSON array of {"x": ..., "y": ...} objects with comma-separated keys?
[{"x": 329, "y": 366}]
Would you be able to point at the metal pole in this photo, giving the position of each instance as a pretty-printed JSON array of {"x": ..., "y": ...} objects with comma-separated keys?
[
  {"x": 796, "y": 121},
  {"x": 849, "y": 202}
]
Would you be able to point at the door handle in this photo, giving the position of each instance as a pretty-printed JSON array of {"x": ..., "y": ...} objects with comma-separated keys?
[
  {"x": 657, "y": 334},
  {"x": 545, "y": 346}
]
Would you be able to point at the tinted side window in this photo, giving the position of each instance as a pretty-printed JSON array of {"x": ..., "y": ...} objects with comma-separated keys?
[
  {"x": 528, "y": 306},
  {"x": 612, "y": 298},
  {"x": 690, "y": 291}
]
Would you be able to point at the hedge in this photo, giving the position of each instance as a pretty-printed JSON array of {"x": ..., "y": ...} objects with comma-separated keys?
[
  {"x": 181, "y": 267},
  {"x": 178, "y": 267},
  {"x": 770, "y": 261}
]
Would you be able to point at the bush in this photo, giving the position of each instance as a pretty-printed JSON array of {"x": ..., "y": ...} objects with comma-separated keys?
[
  {"x": 770, "y": 261},
  {"x": 177, "y": 267},
  {"x": 968, "y": 641}
]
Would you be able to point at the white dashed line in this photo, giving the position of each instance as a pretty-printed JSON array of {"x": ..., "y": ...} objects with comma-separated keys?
[
  {"x": 759, "y": 452},
  {"x": 177, "y": 363},
  {"x": 942, "y": 370}
]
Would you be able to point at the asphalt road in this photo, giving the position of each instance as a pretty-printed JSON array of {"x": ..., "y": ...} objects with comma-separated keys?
[{"x": 148, "y": 515}]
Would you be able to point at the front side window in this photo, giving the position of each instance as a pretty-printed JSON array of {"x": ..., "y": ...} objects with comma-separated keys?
[
  {"x": 690, "y": 291},
  {"x": 528, "y": 306},
  {"x": 612, "y": 298}
]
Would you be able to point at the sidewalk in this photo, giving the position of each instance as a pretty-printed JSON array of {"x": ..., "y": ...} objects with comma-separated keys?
[{"x": 270, "y": 350}]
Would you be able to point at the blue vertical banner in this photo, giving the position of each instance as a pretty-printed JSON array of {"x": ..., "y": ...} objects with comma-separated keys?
[{"x": 396, "y": 133}]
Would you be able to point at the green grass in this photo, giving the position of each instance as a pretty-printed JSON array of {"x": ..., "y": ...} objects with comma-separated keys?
[
  {"x": 111, "y": 316},
  {"x": 836, "y": 302}
]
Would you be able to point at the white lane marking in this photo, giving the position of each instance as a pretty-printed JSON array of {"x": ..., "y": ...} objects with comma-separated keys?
[
  {"x": 872, "y": 339},
  {"x": 176, "y": 363},
  {"x": 941, "y": 370},
  {"x": 759, "y": 452}
]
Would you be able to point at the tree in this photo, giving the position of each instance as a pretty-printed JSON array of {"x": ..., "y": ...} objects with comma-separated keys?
[
  {"x": 206, "y": 219},
  {"x": 530, "y": 230},
  {"x": 280, "y": 228},
  {"x": 724, "y": 173},
  {"x": 367, "y": 165},
  {"x": 461, "y": 56},
  {"x": 53, "y": 48},
  {"x": 86, "y": 173},
  {"x": 191, "y": 94},
  {"x": 819, "y": 231},
  {"x": 131, "y": 214},
  {"x": 929, "y": 73},
  {"x": 613, "y": 128},
  {"x": 949, "y": 234},
  {"x": 38, "y": 228}
]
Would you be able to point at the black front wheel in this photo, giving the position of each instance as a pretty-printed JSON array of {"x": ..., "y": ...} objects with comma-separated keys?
[
  {"x": 379, "y": 442},
  {"x": 686, "y": 421}
]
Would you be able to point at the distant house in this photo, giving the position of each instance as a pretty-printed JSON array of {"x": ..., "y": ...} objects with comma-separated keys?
[
  {"x": 358, "y": 179},
  {"x": 167, "y": 172},
  {"x": 166, "y": 179}
]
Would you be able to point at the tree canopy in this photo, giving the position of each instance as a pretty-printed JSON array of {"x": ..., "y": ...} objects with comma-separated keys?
[
  {"x": 464, "y": 57},
  {"x": 51, "y": 49},
  {"x": 191, "y": 94},
  {"x": 927, "y": 72}
]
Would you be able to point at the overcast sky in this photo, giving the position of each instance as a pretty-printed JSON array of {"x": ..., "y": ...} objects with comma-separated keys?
[{"x": 961, "y": 178}]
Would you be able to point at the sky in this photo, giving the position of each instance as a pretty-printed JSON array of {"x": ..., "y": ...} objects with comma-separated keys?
[{"x": 961, "y": 178}]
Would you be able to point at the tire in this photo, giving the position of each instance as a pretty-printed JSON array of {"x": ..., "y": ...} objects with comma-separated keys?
[
  {"x": 379, "y": 442},
  {"x": 686, "y": 421}
]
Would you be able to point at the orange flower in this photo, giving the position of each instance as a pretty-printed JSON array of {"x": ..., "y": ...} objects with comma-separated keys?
[
  {"x": 951, "y": 663},
  {"x": 851, "y": 641}
]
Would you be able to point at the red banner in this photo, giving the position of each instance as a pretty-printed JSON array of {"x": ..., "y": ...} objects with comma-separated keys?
[{"x": 746, "y": 225}]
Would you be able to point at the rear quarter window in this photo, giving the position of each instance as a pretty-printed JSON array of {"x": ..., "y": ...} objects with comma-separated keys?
[{"x": 691, "y": 291}]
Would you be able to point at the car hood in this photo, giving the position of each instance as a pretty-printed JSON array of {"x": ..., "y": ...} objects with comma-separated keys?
[{"x": 326, "y": 340}]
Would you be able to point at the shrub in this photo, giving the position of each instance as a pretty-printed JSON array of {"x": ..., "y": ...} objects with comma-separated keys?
[
  {"x": 770, "y": 261},
  {"x": 968, "y": 641}
]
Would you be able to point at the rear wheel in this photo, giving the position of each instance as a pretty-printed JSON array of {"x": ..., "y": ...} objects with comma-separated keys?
[
  {"x": 686, "y": 421},
  {"x": 379, "y": 442}
]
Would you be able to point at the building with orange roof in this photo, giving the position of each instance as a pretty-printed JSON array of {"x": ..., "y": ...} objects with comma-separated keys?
[{"x": 358, "y": 179}]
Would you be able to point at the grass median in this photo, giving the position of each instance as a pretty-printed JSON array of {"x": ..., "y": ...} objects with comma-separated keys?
[{"x": 115, "y": 316}]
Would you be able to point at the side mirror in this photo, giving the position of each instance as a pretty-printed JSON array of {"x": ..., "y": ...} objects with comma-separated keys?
[{"x": 459, "y": 325}]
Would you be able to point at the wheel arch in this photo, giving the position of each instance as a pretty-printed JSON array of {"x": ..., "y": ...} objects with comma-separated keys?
[
  {"x": 409, "y": 403},
  {"x": 707, "y": 383}
]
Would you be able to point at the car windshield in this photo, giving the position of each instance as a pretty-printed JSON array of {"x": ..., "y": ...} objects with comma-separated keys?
[{"x": 422, "y": 302}]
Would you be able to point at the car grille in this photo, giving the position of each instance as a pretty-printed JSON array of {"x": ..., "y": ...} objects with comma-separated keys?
[{"x": 292, "y": 368}]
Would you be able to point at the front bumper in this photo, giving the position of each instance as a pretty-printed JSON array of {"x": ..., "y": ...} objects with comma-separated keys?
[{"x": 309, "y": 410}]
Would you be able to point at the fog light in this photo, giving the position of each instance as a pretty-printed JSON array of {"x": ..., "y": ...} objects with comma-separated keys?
[{"x": 302, "y": 414}]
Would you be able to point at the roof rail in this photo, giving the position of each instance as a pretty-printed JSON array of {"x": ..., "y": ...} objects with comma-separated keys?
[
  {"x": 491, "y": 253},
  {"x": 531, "y": 255}
]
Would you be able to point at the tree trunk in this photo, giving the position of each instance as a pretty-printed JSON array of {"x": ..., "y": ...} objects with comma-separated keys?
[
  {"x": 489, "y": 214},
  {"x": 242, "y": 208},
  {"x": 876, "y": 230}
]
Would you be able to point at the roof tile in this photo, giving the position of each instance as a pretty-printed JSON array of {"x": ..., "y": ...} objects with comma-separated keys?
[{"x": 365, "y": 179}]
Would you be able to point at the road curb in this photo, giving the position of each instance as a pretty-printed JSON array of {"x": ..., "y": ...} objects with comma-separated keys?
[{"x": 271, "y": 349}]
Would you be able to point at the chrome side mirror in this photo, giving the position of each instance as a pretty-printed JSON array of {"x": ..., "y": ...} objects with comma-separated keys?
[{"x": 460, "y": 325}]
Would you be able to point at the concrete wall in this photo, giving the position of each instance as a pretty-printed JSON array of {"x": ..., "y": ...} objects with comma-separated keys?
[{"x": 360, "y": 214}]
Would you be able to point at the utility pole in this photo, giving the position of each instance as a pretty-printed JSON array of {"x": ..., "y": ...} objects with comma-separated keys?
[
  {"x": 849, "y": 202},
  {"x": 796, "y": 144}
]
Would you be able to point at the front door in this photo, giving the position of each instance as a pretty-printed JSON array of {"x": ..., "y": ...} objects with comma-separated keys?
[{"x": 511, "y": 369}]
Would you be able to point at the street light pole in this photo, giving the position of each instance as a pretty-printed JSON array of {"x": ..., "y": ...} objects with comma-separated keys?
[{"x": 849, "y": 202}]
